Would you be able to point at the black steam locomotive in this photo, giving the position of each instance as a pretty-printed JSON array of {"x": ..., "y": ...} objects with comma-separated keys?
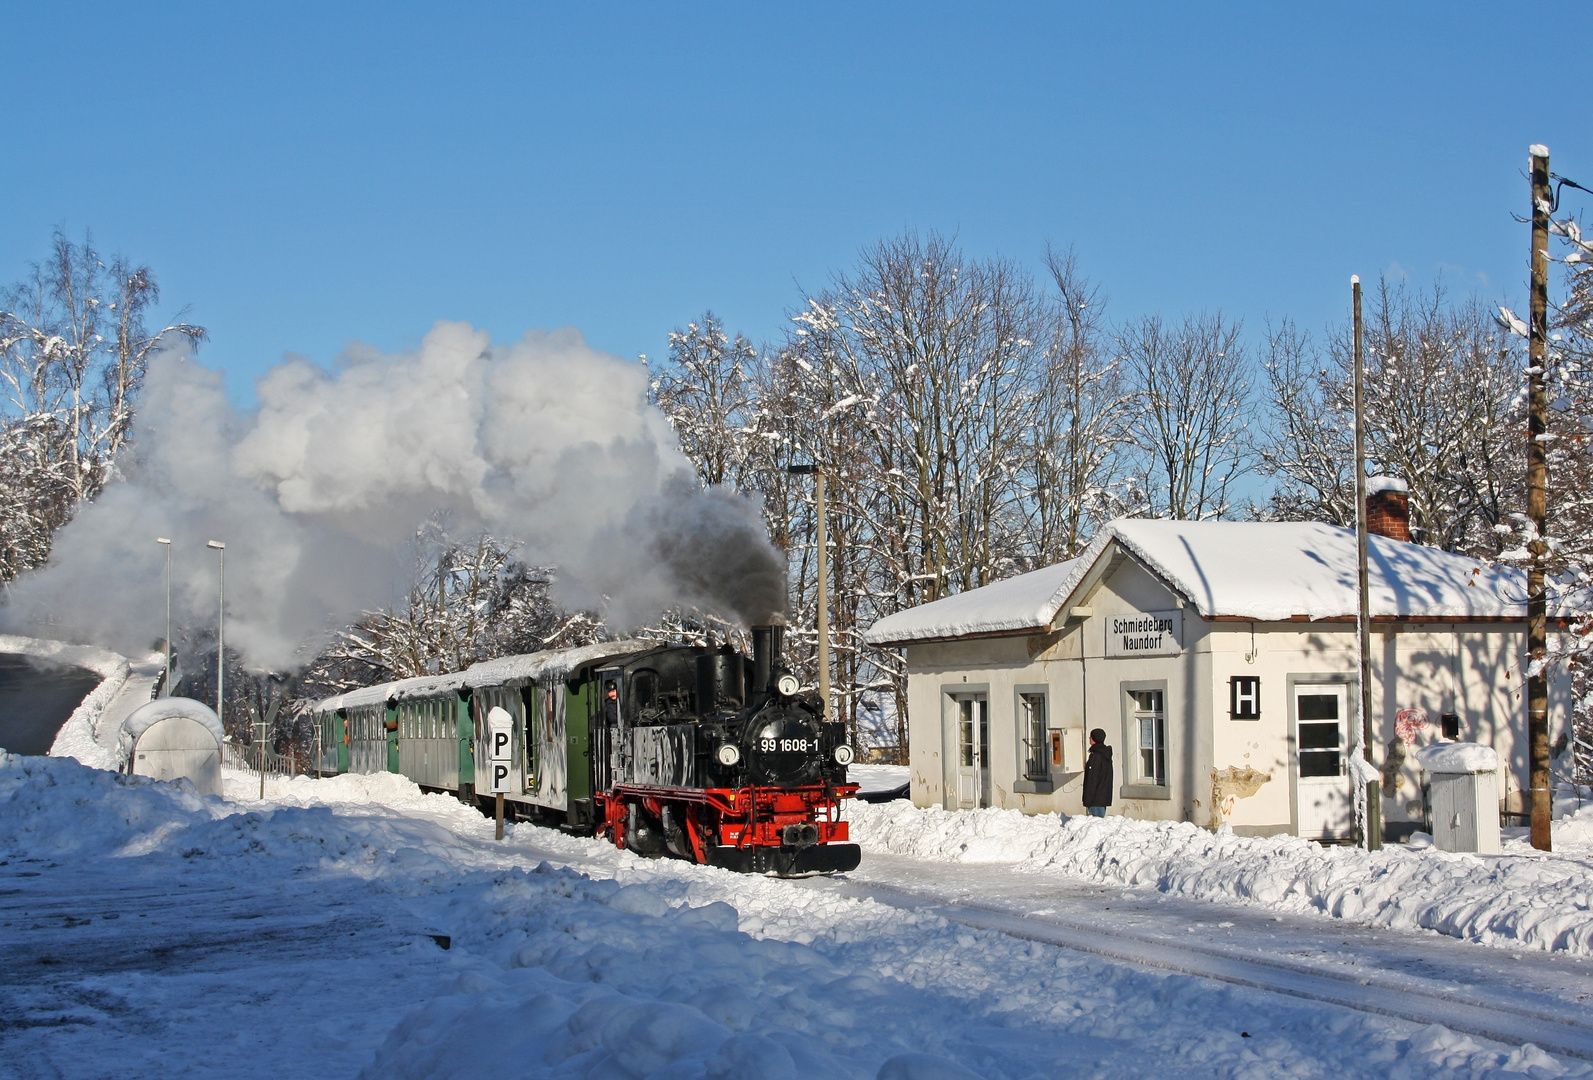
[{"x": 667, "y": 750}]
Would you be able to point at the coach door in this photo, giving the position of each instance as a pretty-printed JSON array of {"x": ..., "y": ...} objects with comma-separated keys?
[
  {"x": 609, "y": 744},
  {"x": 973, "y": 750},
  {"x": 1321, "y": 712}
]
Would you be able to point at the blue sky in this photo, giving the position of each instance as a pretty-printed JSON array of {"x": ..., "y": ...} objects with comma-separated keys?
[{"x": 303, "y": 177}]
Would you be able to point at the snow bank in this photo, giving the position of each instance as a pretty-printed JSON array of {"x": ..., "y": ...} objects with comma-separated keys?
[
  {"x": 51, "y": 806},
  {"x": 1516, "y": 900}
]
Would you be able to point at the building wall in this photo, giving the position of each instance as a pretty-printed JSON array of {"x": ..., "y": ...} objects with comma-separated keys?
[{"x": 1219, "y": 770}]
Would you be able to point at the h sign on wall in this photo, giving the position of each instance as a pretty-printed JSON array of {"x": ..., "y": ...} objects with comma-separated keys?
[
  {"x": 1244, "y": 697},
  {"x": 500, "y": 748}
]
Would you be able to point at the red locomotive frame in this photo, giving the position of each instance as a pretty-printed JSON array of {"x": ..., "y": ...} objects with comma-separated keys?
[{"x": 725, "y": 826}]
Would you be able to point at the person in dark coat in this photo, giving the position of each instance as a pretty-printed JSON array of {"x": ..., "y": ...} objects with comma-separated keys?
[{"x": 1098, "y": 775}]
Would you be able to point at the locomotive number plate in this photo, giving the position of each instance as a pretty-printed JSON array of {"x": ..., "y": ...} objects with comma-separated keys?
[{"x": 787, "y": 746}]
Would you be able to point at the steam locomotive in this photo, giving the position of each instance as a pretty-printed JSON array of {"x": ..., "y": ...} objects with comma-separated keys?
[{"x": 696, "y": 753}]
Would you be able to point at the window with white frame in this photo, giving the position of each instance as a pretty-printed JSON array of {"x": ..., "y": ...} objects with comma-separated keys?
[
  {"x": 1036, "y": 745},
  {"x": 1148, "y": 722}
]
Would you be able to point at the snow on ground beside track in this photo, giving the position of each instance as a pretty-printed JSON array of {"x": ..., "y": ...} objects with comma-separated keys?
[
  {"x": 617, "y": 967},
  {"x": 1519, "y": 899}
]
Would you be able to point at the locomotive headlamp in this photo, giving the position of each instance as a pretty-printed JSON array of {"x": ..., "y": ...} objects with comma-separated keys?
[
  {"x": 728, "y": 754},
  {"x": 843, "y": 755},
  {"x": 788, "y": 684}
]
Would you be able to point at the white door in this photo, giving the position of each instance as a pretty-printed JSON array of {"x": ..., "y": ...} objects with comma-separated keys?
[
  {"x": 1320, "y": 728},
  {"x": 973, "y": 751}
]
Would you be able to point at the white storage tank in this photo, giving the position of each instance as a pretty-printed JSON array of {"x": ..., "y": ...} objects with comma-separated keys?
[
  {"x": 1463, "y": 792},
  {"x": 174, "y": 736}
]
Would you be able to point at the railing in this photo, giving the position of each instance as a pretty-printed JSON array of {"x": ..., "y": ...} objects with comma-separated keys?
[{"x": 245, "y": 757}]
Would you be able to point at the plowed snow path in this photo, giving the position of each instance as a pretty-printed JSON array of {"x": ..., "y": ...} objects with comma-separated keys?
[{"x": 1513, "y": 998}]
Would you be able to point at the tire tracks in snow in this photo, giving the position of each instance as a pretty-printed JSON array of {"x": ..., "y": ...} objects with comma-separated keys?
[{"x": 1557, "y": 1027}]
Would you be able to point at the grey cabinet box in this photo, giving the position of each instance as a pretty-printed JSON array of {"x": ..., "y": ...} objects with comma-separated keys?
[{"x": 1463, "y": 782}]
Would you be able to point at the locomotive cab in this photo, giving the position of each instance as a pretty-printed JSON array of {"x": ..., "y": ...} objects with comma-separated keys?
[{"x": 706, "y": 755}]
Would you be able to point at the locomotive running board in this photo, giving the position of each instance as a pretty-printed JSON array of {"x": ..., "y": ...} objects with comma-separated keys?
[{"x": 787, "y": 862}]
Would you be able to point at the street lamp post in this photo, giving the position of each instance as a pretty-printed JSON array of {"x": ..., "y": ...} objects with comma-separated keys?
[
  {"x": 221, "y": 648},
  {"x": 165, "y": 685}
]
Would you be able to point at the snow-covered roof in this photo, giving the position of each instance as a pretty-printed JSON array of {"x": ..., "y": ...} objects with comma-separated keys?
[
  {"x": 551, "y": 664},
  {"x": 418, "y": 687},
  {"x": 1026, "y": 602},
  {"x": 150, "y": 713},
  {"x": 1458, "y": 757},
  {"x": 529, "y": 667},
  {"x": 1266, "y": 571}
]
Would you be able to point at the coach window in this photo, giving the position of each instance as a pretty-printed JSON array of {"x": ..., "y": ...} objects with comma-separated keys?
[{"x": 1145, "y": 728}]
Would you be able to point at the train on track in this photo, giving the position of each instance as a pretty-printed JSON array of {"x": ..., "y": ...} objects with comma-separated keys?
[{"x": 697, "y": 753}]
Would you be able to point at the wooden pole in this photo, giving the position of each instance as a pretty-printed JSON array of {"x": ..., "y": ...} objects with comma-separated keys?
[
  {"x": 1372, "y": 831},
  {"x": 1538, "y": 507},
  {"x": 824, "y": 602},
  {"x": 499, "y": 815}
]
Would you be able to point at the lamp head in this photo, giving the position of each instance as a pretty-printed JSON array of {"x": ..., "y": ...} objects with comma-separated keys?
[
  {"x": 217, "y": 544},
  {"x": 163, "y": 540}
]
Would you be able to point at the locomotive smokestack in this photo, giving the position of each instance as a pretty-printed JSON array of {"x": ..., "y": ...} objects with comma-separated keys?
[
  {"x": 760, "y": 658},
  {"x": 768, "y": 645}
]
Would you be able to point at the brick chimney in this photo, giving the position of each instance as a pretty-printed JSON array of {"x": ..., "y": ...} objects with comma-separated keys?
[{"x": 1388, "y": 508}]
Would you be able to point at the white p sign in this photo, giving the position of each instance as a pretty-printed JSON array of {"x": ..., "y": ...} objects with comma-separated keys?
[
  {"x": 500, "y": 777},
  {"x": 500, "y": 747}
]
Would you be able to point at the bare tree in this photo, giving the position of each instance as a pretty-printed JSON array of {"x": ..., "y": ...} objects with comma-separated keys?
[
  {"x": 706, "y": 391},
  {"x": 1442, "y": 415},
  {"x": 74, "y": 345},
  {"x": 1310, "y": 450},
  {"x": 471, "y": 600},
  {"x": 1193, "y": 406},
  {"x": 1079, "y": 435}
]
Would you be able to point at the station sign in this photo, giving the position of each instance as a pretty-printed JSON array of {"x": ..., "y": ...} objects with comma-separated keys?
[
  {"x": 500, "y": 749},
  {"x": 1145, "y": 633}
]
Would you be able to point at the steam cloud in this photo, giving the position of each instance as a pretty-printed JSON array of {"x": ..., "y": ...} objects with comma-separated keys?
[{"x": 316, "y": 494}]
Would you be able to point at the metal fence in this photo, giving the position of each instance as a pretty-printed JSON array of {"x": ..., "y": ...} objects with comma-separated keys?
[{"x": 246, "y": 757}]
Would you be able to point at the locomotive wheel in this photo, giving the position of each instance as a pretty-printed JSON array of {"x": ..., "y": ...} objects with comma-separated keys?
[{"x": 643, "y": 835}]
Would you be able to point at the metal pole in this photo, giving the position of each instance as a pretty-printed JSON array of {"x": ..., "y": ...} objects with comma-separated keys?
[
  {"x": 1373, "y": 826},
  {"x": 166, "y": 682},
  {"x": 824, "y": 602},
  {"x": 1538, "y": 507}
]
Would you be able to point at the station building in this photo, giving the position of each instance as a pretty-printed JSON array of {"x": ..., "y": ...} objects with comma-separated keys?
[{"x": 1220, "y": 659}]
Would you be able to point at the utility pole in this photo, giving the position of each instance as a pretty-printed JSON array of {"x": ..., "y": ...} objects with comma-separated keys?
[
  {"x": 1373, "y": 825},
  {"x": 824, "y": 594},
  {"x": 1538, "y": 507},
  {"x": 822, "y": 539}
]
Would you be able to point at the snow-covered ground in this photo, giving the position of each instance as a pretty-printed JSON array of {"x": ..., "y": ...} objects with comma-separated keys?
[
  {"x": 153, "y": 932},
  {"x": 1520, "y": 899}
]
